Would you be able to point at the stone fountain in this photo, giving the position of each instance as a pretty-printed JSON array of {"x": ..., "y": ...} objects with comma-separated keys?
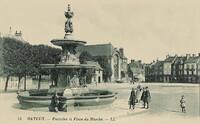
[{"x": 67, "y": 82}]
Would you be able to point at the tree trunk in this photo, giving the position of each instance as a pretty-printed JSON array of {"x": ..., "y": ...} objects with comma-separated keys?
[
  {"x": 19, "y": 84},
  {"x": 52, "y": 79},
  {"x": 6, "y": 85},
  {"x": 25, "y": 82},
  {"x": 39, "y": 82}
]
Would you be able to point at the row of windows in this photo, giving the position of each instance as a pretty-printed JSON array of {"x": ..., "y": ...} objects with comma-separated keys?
[
  {"x": 189, "y": 66},
  {"x": 179, "y": 67}
]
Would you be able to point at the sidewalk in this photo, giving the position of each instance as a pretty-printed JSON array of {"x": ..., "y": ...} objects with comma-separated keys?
[{"x": 123, "y": 107}]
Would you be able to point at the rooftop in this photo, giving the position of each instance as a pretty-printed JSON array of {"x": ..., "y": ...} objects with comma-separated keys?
[
  {"x": 98, "y": 49},
  {"x": 170, "y": 59},
  {"x": 193, "y": 59},
  {"x": 158, "y": 63},
  {"x": 96, "y": 64}
]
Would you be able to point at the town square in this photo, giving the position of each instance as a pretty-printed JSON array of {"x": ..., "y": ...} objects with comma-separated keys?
[{"x": 99, "y": 61}]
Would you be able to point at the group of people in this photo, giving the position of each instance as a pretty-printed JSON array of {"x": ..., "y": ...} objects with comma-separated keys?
[
  {"x": 56, "y": 104},
  {"x": 140, "y": 94},
  {"x": 143, "y": 94}
]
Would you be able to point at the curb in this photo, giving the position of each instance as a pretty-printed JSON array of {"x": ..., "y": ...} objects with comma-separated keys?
[{"x": 123, "y": 108}]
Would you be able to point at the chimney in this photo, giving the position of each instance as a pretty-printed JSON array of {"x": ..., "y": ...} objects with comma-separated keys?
[
  {"x": 167, "y": 56},
  {"x": 18, "y": 34},
  {"x": 121, "y": 50},
  {"x": 187, "y": 56},
  {"x": 10, "y": 31},
  {"x": 193, "y": 55},
  {"x": 132, "y": 61},
  {"x": 140, "y": 61}
]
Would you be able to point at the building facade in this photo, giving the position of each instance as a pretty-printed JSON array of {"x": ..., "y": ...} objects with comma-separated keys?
[
  {"x": 174, "y": 69},
  {"x": 167, "y": 68},
  {"x": 116, "y": 59},
  {"x": 192, "y": 69},
  {"x": 136, "y": 70},
  {"x": 98, "y": 72},
  {"x": 178, "y": 69},
  {"x": 158, "y": 71}
]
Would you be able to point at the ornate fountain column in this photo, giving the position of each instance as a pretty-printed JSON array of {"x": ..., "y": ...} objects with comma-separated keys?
[{"x": 69, "y": 59}]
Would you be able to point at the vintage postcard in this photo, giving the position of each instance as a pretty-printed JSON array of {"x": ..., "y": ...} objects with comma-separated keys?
[{"x": 99, "y": 61}]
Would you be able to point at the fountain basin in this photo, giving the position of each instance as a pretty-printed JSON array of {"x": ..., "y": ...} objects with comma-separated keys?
[
  {"x": 42, "y": 98},
  {"x": 70, "y": 42}
]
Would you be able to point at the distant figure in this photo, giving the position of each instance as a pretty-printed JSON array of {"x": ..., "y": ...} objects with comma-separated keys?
[
  {"x": 138, "y": 93},
  {"x": 54, "y": 103},
  {"x": 132, "y": 99},
  {"x": 133, "y": 82},
  {"x": 183, "y": 104},
  {"x": 143, "y": 94},
  {"x": 147, "y": 98}
]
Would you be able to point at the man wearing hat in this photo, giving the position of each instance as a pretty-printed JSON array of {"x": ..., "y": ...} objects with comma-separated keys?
[
  {"x": 132, "y": 99},
  {"x": 147, "y": 97}
]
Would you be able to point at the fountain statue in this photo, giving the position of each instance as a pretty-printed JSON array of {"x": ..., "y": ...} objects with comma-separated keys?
[
  {"x": 68, "y": 23},
  {"x": 68, "y": 72}
]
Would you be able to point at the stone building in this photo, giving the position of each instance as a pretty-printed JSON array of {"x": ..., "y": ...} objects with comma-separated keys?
[
  {"x": 116, "y": 58},
  {"x": 136, "y": 70},
  {"x": 167, "y": 68},
  {"x": 98, "y": 71},
  {"x": 192, "y": 69},
  {"x": 178, "y": 69},
  {"x": 124, "y": 66},
  {"x": 147, "y": 71},
  {"x": 174, "y": 69},
  {"x": 158, "y": 71}
]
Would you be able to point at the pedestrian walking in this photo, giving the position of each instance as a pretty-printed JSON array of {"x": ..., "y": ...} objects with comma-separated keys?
[
  {"x": 147, "y": 98},
  {"x": 183, "y": 104},
  {"x": 132, "y": 99}
]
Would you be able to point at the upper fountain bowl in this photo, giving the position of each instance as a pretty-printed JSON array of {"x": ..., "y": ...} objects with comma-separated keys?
[{"x": 68, "y": 40}]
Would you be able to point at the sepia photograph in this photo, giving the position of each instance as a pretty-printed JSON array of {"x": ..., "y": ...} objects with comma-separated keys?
[{"x": 99, "y": 61}]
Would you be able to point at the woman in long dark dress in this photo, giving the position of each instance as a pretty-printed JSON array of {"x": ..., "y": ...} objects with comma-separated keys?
[
  {"x": 54, "y": 103},
  {"x": 132, "y": 99}
]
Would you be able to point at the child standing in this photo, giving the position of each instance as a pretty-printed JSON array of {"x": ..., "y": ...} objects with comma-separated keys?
[{"x": 183, "y": 104}]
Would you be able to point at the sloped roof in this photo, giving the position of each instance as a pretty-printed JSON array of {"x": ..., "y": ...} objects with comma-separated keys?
[
  {"x": 135, "y": 64},
  {"x": 136, "y": 71},
  {"x": 179, "y": 59},
  {"x": 170, "y": 59},
  {"x": 158, "y": 63},
  {"x": 98, "y": 49},
  {"x": 192, "y": 60},
  {"x": 96, "y": 64},
  {"x": 136, "y": 67}
]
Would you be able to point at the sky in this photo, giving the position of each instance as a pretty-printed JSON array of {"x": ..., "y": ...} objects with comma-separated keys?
[{"x": 146, "y": 29}]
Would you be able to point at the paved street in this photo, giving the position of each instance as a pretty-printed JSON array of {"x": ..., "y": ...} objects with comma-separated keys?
[{"x": 165, "y": 103}]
